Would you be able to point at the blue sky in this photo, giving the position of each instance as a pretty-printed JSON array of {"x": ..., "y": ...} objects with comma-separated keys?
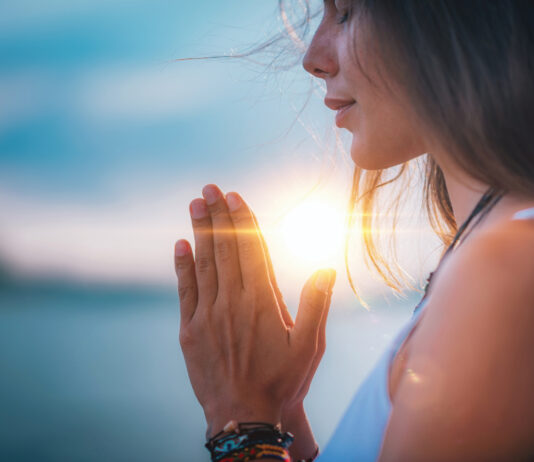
[
  {"x": 104, "y": 139},
  {"x": 89, "y": 93}
]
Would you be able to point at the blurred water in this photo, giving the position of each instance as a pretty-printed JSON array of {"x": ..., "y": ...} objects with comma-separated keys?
[{"x": 91, "y": 373}]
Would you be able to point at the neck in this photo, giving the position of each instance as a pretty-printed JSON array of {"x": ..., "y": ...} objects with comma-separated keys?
[{"x": 464, "y": 193}]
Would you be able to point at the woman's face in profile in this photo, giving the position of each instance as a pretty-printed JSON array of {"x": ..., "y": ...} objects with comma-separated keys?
[{"x": 384, "y": 130}]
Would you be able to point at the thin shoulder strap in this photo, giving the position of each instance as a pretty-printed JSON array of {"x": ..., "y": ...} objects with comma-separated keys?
[{"x": 481, "y": 209}]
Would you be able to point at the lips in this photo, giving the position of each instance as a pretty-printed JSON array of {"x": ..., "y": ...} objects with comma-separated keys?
[
  {"x": 335, "y": 104},
  {"x": 342, "y": 106}
]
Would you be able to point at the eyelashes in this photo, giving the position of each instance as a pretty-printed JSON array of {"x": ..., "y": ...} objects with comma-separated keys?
[
  {"x": 343, "y": 7},
  {"x": 343, "y": 18}
]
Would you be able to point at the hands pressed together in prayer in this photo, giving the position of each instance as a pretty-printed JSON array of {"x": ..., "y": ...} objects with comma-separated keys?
[{"x": 246, "y": 358}]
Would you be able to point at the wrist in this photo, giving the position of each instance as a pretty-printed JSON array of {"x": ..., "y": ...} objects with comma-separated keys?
[
  {"x": 294, "y": 413},
  {"x": 217, "y": 418},
  {"x": 247, "y": 440},
  {"x": 295, "y": 420}
]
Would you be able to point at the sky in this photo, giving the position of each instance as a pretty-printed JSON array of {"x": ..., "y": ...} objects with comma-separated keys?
[{"x": 105, "y": 139}]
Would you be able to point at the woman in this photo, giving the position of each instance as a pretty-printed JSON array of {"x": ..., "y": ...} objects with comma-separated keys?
[{"x": 449, "y": 80}]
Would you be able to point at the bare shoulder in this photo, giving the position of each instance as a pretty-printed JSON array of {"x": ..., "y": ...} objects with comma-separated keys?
[
  {"x": 493, "y": 274},
  {"x": 509, "y": 243},
  {"x": 466, "y": 392}
]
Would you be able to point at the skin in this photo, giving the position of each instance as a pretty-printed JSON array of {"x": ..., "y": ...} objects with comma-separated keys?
[
  {"x": 248, "y": 360},
  {"x": 382, "y": 128}
]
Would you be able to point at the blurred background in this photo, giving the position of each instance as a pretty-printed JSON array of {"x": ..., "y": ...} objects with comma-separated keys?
[{"x": 104, "y": 140}]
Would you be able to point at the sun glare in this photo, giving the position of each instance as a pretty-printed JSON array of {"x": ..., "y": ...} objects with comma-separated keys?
[{"x": 312, "y": 232}]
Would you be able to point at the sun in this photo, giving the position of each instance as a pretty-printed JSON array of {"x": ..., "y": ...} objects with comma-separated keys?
[{"x": 313, "y": 232}]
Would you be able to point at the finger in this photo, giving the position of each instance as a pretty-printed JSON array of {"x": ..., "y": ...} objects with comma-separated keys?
[
  {"x": 314, "y": 303},
  {"x": 286, "y": 316},
  {"x": 224, "y": 241},
  {"x": 187, "y": 287},
  {"x": 322, "y": 326},
  {"x": 321, "y": 346},
  {"x": 254, "y": 271},
  {"x": 205, "y": 269}
]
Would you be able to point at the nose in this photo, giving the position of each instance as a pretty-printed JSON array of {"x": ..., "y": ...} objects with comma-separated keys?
[{"x": 320, "y": 59}]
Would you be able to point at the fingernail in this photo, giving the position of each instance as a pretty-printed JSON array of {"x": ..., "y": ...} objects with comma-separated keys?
[
  {"x": 233, "y": 201},
  {"x": 181, "y": 248},
  {"x": 211, "y": 194},
  {"x": 199, "y": 209},
  {"x": 323, "y": 280}
]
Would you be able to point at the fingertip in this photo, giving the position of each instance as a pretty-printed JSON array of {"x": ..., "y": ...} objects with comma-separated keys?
[
  {"x": 324, "y": 280},
  {"x": 333, "y": 278},
  {"x": 234, "y": 201},
  {"x": 198, "y": 208},
  {"x": 212, "y": 193},
  {"x": 182, "y": 248}
]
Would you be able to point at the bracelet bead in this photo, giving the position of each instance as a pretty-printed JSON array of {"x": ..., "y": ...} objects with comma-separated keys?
[{"x": 248, "y": 441}]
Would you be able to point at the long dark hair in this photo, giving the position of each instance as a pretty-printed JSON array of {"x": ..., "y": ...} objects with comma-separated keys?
[{"x": 467, "y": 68}]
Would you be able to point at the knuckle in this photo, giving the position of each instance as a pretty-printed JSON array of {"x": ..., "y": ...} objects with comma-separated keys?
[
  {"x": 185, "y": 292},
  {"x": 201, "y": 224},
  {"x": 247, "y": 248},
  {"x": 311, "y": 301},
  {"x": 186, "y": 337},
  {"x": 203, "y": 263},
  {"x": 217, "y": 209},
  {"x": 223, "y": 250},
  {"x": 183, "y": 263},
  {"x": 239, "y": 218},
  {"x": 202, "y": 228}
]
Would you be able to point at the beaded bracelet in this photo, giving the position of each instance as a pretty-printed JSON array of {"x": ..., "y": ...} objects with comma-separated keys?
[
  {"x": 258, "y": 451},
  {"x": 249, "y": 441}
]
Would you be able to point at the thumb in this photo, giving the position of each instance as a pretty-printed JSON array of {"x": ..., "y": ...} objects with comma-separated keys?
[{"x": 314, "y": 303}]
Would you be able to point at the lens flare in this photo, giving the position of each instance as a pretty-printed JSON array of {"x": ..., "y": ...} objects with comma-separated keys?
[{"x": 312, "y": 232}]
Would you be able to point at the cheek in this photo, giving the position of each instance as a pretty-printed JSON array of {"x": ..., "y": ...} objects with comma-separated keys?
[{"x": 383, "y": 136}]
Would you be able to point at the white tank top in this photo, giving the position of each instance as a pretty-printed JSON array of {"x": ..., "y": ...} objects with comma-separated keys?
[{"x": 358, "y": 436}]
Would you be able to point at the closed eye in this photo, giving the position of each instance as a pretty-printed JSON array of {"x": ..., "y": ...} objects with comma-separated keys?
[
  {"x": 343, "y": 18},
  {"x": 343, "y": 8}
]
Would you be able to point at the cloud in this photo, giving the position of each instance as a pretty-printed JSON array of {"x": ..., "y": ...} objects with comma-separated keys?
[
  {"x": 146, "y": 93},
  {"x": 110, "y": 94},
  {"x": 21, "y": 14},
  {"x": 130, "y": 239},
  {"x": 24, "y": 95}
]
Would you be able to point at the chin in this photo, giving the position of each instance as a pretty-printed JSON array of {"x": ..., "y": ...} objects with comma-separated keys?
[
  {"x": 370, "y": 159},
  {"x": 378, "y": 158}
]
